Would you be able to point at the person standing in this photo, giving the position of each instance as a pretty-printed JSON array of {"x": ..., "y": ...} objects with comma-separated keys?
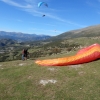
[{"x": 23, "y": 55}]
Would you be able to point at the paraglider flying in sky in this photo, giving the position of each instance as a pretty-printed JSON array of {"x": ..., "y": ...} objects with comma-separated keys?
[{"x": 44, "y": 4}]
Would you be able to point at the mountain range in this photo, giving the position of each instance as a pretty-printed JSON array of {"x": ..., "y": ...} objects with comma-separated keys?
[
  {"x": 91, "y": 31},
  {"x": 21, "y": 37}
]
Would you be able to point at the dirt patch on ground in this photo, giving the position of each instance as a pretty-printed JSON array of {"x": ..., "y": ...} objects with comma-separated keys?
[
  {"x": 21, "y": 64},
  {"x": 75, "y": 66},
  {"x": 52, "y": 69},
  {"x": 44, "y": 82}
]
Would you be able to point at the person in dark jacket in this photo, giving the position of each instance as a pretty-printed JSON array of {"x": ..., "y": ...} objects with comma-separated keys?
[{"x": 25, "y": 53}]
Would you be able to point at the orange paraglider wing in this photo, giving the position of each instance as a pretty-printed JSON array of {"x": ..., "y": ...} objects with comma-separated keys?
[{"x": 85, "y": 55}]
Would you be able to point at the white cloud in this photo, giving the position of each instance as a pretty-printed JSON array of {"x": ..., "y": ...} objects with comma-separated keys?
[
  {"x": 31, "y": 7},
  {"x": 66, "y": 21},
  {"x": 10, "y": 2}
]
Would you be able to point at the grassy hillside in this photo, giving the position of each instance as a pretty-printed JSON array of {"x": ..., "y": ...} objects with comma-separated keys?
[
  {"x": 91, "y": 31},
  {"x": 46, "y": 48},
  {"x": 24, "y": 80}
]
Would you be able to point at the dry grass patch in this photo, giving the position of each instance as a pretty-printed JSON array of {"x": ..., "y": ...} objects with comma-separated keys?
[{"x": 76, "y": 66}]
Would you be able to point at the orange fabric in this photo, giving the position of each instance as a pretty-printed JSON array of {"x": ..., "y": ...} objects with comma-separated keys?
[{"x": 84, "y": 55}]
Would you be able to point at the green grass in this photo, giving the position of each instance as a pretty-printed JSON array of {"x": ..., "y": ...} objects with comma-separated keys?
[
  {"x": 86, "y": 41},
  {"x": 74, "y": 82}
]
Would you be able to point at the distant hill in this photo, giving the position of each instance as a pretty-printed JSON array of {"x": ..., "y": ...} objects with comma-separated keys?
[
  {"x": 22, "y": 37},
  {"x": 6, "y": 42},
  {"x": 91, "y": 31}
]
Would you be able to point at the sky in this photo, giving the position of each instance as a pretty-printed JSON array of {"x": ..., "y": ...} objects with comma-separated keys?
[{"x": 60, "y": 16}]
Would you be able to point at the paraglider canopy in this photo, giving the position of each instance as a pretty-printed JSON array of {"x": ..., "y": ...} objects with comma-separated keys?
[{"x": 42, "y": 3}]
